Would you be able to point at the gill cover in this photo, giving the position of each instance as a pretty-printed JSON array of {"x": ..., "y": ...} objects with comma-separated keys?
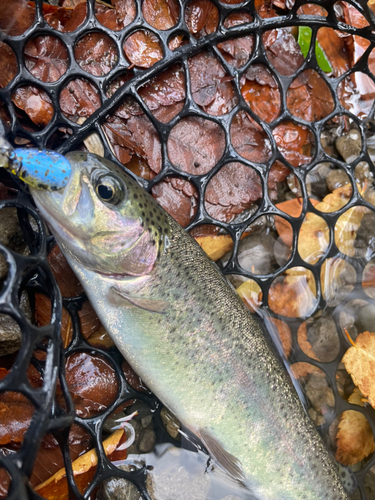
[{"x": 107, "y": 222}]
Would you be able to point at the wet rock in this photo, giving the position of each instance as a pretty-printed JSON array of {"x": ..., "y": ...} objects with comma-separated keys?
[
  {"x": 10, "y": 236},
  {"x": 255, "y": 253},
  {"x": 170, "y": 422},
  {"x": 117, "y": 488},
  {"x": 349, "y": 145},
  {"x": 322, "y": 335},
  {"x": 365, "y": 320},
  {"x": 320, "y": 395},
  {"x": 364, "y": 243},
  {"x": 336, "y": 178},
  {"x": 10, "y": 332},
  {"x": 147, "y": 441}
]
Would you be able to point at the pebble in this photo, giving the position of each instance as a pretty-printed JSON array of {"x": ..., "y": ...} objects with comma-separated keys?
[
  {"x": 10, "y": 236},
  {"x": 170, "y": 423},
  {"x": 10, "y": 332},
  {"x": 118, "y": 488},
  {"x": 336, "y": 179},
  {"x": 322, "y": 335},
  {"x": 320, "y": 395},
  {"x": 349, "y": 145},
  {"x": 147, "y": 441},
  {"x": 365, "y": 320}
]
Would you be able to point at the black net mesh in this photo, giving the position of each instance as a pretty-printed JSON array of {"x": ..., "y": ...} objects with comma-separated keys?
[{"x": 243, "y": 43}]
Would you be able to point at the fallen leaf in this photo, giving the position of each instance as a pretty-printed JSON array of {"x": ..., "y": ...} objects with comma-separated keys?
[
  {"x": 9, "y": 65},
  {"x": 92, "y": 383},
  {"x": 35, "y": 103},
  {"x": 293, "y": 294},
  {"x": 249, "y": 139},
  {"x": 65, "y": 277},
  {"x": 212, "y": 88},
  {"x": 359, "y": 361},
  {"x": 309, "y": 97},
  {"x": 235, "y": 188},
  {"x": 215, "y": 247},
  {"x": 16, "y": 17},
  {"x": 261, "y": 91},
  {"x": 143, "y": 49},
  {"x": 79, "y": 98},
  {"x": 96, "y": 53},
  {"x": 294, "y": 142},
  {"x": 46, "y": 58},
  {"x": 84, "y": 468},
  {"x": 201, "y": 18},
  {"x": 283, "y": 51},
  {"x": 355, "y": 440},
  {"x": 294, "y": 209},
  {"x": 43, "y": 317},
  {"x": 178, "y": 197},
  {"x": 237, "y": 51},
  {"x": 161, "y": 14}
]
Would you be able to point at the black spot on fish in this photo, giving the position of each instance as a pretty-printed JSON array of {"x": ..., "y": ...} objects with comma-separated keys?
[
  {"x": 135, "y": 196},
  {"x": 140, "y": 205}
]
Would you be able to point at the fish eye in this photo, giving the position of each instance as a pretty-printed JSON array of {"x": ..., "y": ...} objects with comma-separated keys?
[{"x": 109, "y": 189}]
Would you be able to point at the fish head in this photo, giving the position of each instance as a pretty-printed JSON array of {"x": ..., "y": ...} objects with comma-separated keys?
[{"x": 103, "y": 218}]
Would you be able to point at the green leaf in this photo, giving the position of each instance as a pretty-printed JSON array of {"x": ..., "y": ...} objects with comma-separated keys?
[{"x": 304, "y": 41}]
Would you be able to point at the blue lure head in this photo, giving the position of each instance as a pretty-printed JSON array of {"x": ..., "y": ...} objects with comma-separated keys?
[{"x": 41, "y": 169}]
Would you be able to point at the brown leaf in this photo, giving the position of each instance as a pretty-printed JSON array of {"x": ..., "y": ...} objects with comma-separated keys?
[
  {"x": 309, "y": 97},
  {"x": 46, "y": 58},
  {"x": 195, "y": 145},
  {"x": 211, "y": 88},
  {"x": 43, "y": 317},
  {"x": 293, "y": 294},
  {"x": 249, "y": 139},
  {"x": 35, "y": 103},
  {"x": 355, "y": 440},
  {"x": 96, "y": 53},
  {"x": 92, "y": 383},
  {"x": 132, "y": 378},
  {"x": 302, "y": 369},
  {"x": 65, "y": 277},
  {"x": 359, "y": 361},
  {"x": 201, "y": 17},
  {"x": 161, "y": 14},
  {"x": 237, "y": 51},
  {"x": 232, "y": 190},
  {"x": 143, "y": 49},
  {"x": 16, "y": 17},
  {"x": 283, "y": 51},
  {"x": 294, "y": 142},
  {"x": 261, "y": 92},
  {"x": 178, "y": 197},
  {"x": 79, "y": 98},
  {"x": 49, "y": 459},
  {"x": 8, "y": 64},
  {"x": 304, "y": 343}
]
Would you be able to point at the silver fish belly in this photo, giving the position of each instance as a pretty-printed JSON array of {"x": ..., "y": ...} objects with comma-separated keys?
[{"x": 185, "y": 331}]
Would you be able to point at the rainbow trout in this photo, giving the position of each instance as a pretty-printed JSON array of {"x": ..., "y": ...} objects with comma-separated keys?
[{"x": 182, "y": 327}]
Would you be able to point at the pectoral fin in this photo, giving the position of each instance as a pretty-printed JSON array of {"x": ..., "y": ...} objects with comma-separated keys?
[
  {"x": 227, "y": 461},
  {"x": 128, "y": 300}
]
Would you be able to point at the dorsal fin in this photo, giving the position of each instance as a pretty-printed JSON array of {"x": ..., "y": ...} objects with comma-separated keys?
[{"x": 227, "y": 461}]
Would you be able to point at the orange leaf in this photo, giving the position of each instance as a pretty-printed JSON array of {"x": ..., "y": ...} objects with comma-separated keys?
[
  {"x": 56, "y": 487},
  {"x": 359, "y": 361},
  {"x": 355, "y": 440},
  {"x": 215, "y": 246},
  {"x": 251, "y": 293},
  {"x": 294, "y": 209}
]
